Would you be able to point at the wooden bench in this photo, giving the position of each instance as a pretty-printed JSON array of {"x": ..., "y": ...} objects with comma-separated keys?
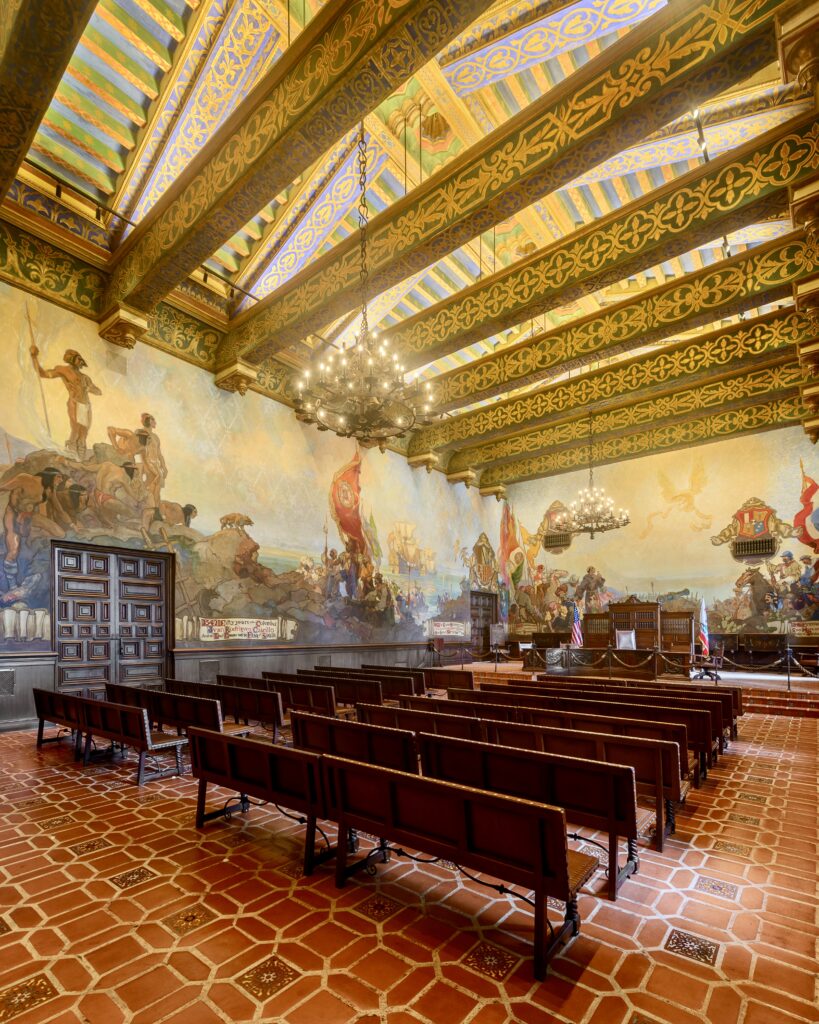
[
  {"x": 674, "y": 691},
  {"x": 295, "y": 695},
  {"x": 599, "y": 720},
  {"x": 129, "y": 726},
  {"x": 505, "y": 837},
  {"x": 374, "y": 744},
  {"x": 697, "y": 721},
  {"x": 392, "y": 685},
  {"x": 349, "y": 689},
  {"x": 656, "y": 763},
  {"x": 279, "y": 775},
  {"x": 422, "y": 721},
  {"x": 416, "y": 674},
  {"x": 732, "y": 712},
  {"x": 242, "y": 704},
  {"x": 179, "y": 711},
  {"x": 63, "y": 710},
  {"x": 593, "y": 794},
  {"x": 443, "y": 678}
]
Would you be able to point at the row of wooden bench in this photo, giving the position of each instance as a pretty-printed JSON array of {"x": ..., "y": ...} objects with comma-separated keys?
[{"x": 521, "y": 841}]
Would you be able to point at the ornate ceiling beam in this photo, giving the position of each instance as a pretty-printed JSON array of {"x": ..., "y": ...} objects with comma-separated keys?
[
  {"x": 349, "y": 58},
  {"x": 784, "y": 411},
  {"x": 764, "y": 274},
  {"x": 680, "y": 57},
  {"x": 741, "y": 385},
  {"x": 40, "y": 36},
  {"x": 713, "y": 199},
  {"x": 712, "y": 294}
]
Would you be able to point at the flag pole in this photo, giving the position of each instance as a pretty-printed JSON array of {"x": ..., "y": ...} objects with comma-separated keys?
[{"x": 39, "y": 378}]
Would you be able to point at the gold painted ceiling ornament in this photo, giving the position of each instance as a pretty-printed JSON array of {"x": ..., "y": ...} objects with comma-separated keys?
[
  {"x": 593, "y": 510},
  {"x": 360, "y": 391}
]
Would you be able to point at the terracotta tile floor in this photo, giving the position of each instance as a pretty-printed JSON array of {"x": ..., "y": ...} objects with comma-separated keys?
[{"x": 113, "y": 908}]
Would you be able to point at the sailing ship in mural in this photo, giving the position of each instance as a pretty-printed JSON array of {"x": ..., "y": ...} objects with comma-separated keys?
[{"x": 406, "y": 556}]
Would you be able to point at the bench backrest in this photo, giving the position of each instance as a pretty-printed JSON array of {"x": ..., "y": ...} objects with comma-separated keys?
[
  {"x": 422, "y": 721},
  {"x": 278, "y": 774},
  {"x": 241, "y": 703},
  {"x": 392, "y": 685},
  {"x": 349, "y": 689},
  {"x": 119, "y": 722},
  {"x": 517, "y": 840},
  {"x": 652, "y": 760},
  {"x": 648, "y": 693},
  {"x": 735, "y": 692},
  {"x": 60, "y": 708},
  {"x": 374, "y": 744},
  {"x": 182, "y": 711},
  {"x": 133, "y": 696},
  {"x": 442, "y": 706},
  {"x": 297, "y": 695},
  {"x": 416, "y": 674},
  {"x": 593, "y": 793},
  {"x": 442, "y": 678},
  {"x": 697, "y": 722}
]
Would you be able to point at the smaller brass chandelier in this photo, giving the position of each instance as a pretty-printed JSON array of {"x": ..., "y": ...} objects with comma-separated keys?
[
  {"x": 360, "y": 391},
  {"x": 593, "y": 510}
]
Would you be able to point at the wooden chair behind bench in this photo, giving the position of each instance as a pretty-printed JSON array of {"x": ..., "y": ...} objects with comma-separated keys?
[
  {"x": 277, "y": 774},
  {"x": 594, "y": 794},
  {"x": 521, "y": 842}
]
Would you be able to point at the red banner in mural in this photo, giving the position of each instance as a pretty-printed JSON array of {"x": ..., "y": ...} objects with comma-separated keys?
[
  {"x": 345, "y": 498},
  {"x": 806, "y": 520}
]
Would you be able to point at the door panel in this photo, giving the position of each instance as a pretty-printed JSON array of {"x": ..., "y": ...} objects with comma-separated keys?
[{"x": 110, "y": 617}]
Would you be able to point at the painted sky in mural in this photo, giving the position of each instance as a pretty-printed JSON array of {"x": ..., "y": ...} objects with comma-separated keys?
[
  {"x": 269, "y": 519},
  {"x": 736, "y": 522}
]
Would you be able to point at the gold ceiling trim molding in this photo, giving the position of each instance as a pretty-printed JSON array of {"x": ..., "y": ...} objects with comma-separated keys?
[
  {"x": 349, "y": 57},
  {"x": 784, "y": 374},
  {"x": 727, "y": 281},
  {"x": 709, "y": 201},
  {"x": 39, "y": 38},
  {"x": 635, "y": 86},
  {"x": 721, "y": 289},
  {"x": 751, "y": 419}
]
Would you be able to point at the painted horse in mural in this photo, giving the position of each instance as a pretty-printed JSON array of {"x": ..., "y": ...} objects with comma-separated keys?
[{"x": 761, "y": 593}]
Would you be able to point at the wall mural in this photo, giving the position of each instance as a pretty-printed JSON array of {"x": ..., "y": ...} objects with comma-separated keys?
[
  {"x": 736, "y": 522},
  {"x": 281, "y": 533}
]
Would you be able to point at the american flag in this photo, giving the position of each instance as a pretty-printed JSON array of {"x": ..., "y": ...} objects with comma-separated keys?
[
  {"x": 704, "y": 644},
  {"x": 577, "y": 632}
]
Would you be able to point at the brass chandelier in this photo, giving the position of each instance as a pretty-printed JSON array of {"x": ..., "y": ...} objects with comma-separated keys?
[
  {"x": 360, "y": 391},
  {"x": 593, "y": 510}
]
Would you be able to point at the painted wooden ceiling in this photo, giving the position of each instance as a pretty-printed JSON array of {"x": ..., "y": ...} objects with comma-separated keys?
[{"x": 152, "y": 81}]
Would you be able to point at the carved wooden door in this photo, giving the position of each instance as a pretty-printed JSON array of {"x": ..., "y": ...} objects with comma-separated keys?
[{"x": 111, "y": 615}]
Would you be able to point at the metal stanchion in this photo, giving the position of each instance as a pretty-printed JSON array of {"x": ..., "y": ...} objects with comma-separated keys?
[
  {"x": 788, "y": 665},
  {"x": 609, "y": 660}
]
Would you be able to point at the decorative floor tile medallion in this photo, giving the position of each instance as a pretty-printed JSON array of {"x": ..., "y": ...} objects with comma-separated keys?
[
  {"x": 692, "y": 946},
  {"x": 90, "y": 846},
  {"x": 378, "y": 908},
  {"x": 556, "y": 904},
  {"x": 744, "y": 819},
  {"x": 187, "y": 920},
  {"x": 51, "y": 823},
  {"x": 760, "y": 779},
  {"x": 31, "y": 804},
  {"x": 490, "y": 960},
  {"x": 716, "y": 887},
  {"x": 752, "y": 798},
  {"x": 135, "y": 876},
  {"x": 292, "y": 868},
  {"x": 268, "y": 977},
  {"x": 722, "y": 846},
  {"x": 25, "y": 995}
]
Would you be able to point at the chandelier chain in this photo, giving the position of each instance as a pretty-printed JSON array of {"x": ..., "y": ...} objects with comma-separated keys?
[{"x": 363, "y": 217}]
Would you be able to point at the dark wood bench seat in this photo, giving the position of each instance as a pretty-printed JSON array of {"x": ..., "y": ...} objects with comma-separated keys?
[
  {"x": 594, "y": 794},
  {"x": 355, "y": 741},
  {"x": 422, "y": 721},
  {"x": 393, "y": 684},
  {"x": 243, "y": 704},
  {"x": 417, "y": 675},
  {"x": 279, "y": 775},
  {"x": 178, "y": 710},
  {"x": 295, "y": 694},
  {"x": 349, "y": 689},
  {"x": 519, "y": 841},
  {"x": 129, "y": 726},
  {"x": 62, "y": 710}
]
